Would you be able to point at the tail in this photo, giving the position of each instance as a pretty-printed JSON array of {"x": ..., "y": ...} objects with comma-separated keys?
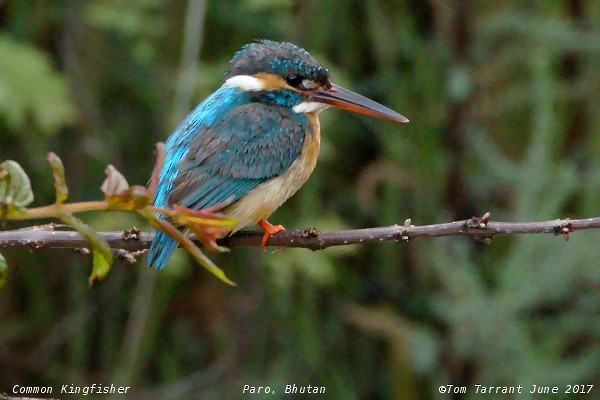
[{"x": 160, "y": 251}]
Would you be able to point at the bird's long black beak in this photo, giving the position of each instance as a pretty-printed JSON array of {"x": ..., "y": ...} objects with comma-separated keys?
[{"x": 347, "y": 100}]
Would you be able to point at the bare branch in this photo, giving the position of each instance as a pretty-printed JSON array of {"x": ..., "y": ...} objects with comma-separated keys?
[{"x": 133, "y": 241}]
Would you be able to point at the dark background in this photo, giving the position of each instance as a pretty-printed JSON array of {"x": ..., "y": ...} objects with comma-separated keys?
[{"x": 503, "y": 99}]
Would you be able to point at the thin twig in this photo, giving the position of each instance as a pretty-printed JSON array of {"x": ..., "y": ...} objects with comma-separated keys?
[{"x": 480, "y": 228}]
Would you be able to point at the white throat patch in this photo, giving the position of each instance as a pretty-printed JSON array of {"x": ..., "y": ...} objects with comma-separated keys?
[{"x": 310, "y": 106}]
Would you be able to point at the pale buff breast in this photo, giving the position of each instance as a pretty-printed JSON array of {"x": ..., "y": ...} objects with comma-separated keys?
[{"x": 263, "y": 200}]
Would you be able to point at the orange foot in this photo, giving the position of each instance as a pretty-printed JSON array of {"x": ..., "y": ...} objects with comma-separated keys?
[{"x": 270, "y": 230}]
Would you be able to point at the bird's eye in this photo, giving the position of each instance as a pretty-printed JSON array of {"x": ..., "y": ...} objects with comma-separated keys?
[
  {"x": 294, "y": 80},
  {"x": 301, "y": 83}
]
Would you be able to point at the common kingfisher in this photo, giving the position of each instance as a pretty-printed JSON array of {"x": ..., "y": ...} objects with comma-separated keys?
[{"x": 255, "y": 141}]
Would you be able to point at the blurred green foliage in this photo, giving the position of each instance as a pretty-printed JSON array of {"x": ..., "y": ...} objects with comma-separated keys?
[{"x": 502, "y": 98}]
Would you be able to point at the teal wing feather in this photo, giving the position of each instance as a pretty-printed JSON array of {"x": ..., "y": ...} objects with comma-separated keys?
[{"x": 253, "y": 143}]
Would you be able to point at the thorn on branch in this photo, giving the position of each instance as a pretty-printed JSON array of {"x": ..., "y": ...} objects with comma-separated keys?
[
  {"x": 563, "y": 229},
  {"x": 479, "y": 222},
  {"x": 403, "y": 235},
  {"x": 309, "y": 233},
  {"x": 131, "y": 234}
]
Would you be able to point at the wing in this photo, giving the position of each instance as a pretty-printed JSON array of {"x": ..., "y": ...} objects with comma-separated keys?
[{"x": 249, "y": 145}]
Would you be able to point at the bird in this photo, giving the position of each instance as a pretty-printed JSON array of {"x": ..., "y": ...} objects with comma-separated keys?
[{"x": 254, "y": 141}]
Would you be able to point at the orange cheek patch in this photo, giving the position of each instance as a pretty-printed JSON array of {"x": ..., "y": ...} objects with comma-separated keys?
[{"x": 272, "y": 82}]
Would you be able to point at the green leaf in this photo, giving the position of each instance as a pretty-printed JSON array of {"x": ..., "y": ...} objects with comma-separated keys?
[
  {"x": 101, "y": 267},
  {"x": 58, "y": 171},
  {"x": 31, "y": 90},
  {"x": 101, "y": 249},
  {"x": 3, "y": 270},
  {"x": 15, "y": 187}
]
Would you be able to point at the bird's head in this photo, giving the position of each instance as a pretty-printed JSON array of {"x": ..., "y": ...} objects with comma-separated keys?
[{"x": 287, "y": 75}]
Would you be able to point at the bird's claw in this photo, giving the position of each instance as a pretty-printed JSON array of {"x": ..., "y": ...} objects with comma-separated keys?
[{"x": 270, "y": 230}]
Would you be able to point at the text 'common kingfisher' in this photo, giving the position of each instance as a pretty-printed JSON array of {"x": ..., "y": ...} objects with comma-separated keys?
[{"x": 255, "y": 140}]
